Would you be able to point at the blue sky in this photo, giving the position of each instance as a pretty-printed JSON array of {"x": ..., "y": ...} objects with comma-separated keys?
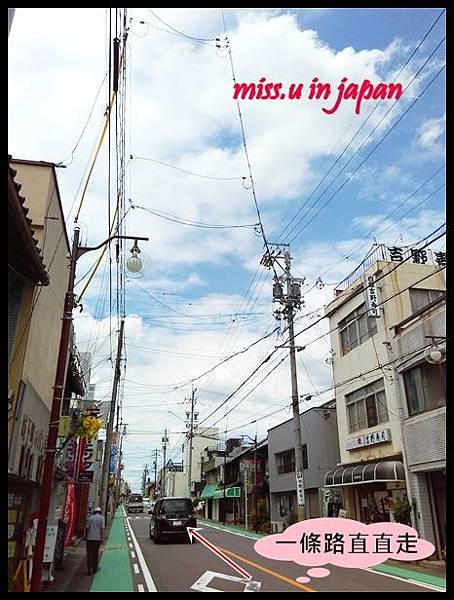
[{"x": 180, "y": 111}]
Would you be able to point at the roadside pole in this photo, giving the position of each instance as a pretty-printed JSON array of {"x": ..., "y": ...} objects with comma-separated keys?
[{"x": 110, "y": 423}]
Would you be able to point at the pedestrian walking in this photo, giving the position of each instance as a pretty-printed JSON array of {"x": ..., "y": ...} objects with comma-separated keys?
[{"x": 94, "y": 536}]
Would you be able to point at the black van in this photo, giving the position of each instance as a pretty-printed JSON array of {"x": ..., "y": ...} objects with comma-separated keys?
[{"x": 170, "y": 517}]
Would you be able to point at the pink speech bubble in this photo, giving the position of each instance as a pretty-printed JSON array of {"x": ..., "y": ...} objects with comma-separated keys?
[{"x": 363, "y": 545}]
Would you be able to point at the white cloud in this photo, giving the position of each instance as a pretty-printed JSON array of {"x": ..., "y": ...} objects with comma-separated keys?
[
  {"x": 430, "y": 135},
  {"x": 180, "y": 111}
]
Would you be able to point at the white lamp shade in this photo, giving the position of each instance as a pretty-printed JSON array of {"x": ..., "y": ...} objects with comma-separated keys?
[
  {"x": 134, "y": 264},
  {"x": 435, "y": 354}
]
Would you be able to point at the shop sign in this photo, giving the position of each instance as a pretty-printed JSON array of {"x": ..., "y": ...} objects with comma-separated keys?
[
  {"x": 370, "y": 439},
  {"x": 86, "y": 460},
  {"x": 49, "y": 547},
  {"x": 370, "y": 291},
  {"x": 300, "y": 489}
]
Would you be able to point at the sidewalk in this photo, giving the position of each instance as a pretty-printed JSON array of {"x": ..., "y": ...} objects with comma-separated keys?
[
  {"x": 115, "y": 568},
  {"x": 423, "y": 572}
]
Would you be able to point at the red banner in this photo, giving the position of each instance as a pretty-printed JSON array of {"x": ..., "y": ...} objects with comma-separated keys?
[{"x": 69, "y": 512}]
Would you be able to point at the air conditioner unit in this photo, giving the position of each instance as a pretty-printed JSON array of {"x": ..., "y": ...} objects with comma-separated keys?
[{"x": 277, "y": 526}]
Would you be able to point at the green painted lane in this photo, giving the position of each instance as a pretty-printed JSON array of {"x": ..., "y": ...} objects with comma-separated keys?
[
  {"x": 411, "y": 575},
  {"x": 115, "y": 573}
]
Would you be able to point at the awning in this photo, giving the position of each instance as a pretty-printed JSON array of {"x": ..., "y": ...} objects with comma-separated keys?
[
  {"x": 208, "y": 490},
  {"x": 230, "y": 492},
  {"x": 388, "y": 470}
]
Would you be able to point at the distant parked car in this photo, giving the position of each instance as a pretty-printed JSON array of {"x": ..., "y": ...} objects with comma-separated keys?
[
  {"x": 170, "y": 517},
  {"x": 146, "y": 504},
  {"x": 135, "y": 503}
]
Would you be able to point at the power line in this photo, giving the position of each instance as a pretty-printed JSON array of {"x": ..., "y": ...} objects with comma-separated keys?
[
  {"x": 394, "y": 125},
  {"x": 357, "y": 131},
  {"x": 181, "y": 221},
  {"x": 186, "y": 171},
  {"x": 334, "y": 329},
  {"x": 243, "y": 135},
  {"x": 180, "y": 32}
]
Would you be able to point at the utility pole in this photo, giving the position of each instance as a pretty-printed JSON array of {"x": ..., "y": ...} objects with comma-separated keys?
[
  {"x": 191, "y": 417},
  {"x": 155, "y": 467},
  {"x": 59, "y": 386},
  {"x": 144, "y": 479},
  {"x": 255, "y": 483},
  {"x": 165, "y": 441},
  {"x": 223, "y": 482},
  {"x": 110, "y": 423},
  {"x": 290, "y": 300}
]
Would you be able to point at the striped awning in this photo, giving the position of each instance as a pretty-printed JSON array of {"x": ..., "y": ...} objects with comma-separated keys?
[
  {"x": 388, "y": 470},
  {"x": 208, "y": 490}
]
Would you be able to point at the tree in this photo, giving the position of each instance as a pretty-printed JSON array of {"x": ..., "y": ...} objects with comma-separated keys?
[{"x": 402, "y": 511}]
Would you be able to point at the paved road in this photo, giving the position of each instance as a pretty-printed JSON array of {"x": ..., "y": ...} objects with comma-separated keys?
[{"x": 178, "y": 566}]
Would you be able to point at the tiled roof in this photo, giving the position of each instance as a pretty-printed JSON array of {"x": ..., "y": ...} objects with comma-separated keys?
[{"x": 26, "y": 225}]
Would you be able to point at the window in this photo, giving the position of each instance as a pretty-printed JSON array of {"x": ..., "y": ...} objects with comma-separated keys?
[
  {"x": 286, "y": 461},
  {"x": 425, "y": 388},
  {"x": 356, "y": 329},
  {"x": 305, "y": 464},
  {"x": 367, "y": 406},
  {"x": 286, "y": 505},
  {"x": 421, "y": 298},
  {"x": 176, "y": 506}
]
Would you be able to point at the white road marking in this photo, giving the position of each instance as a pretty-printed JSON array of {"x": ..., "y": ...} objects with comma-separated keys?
[
  {"x": 143, "y": 565},
  {"x": 425, "y": 585},
  {"x": 136, "y": 568},
  {"x": 133, "y": 554},
  {"x": 140, "y": 587},
  {"x": 201, "y": 585},
  {"x": 131, "y": 546}
]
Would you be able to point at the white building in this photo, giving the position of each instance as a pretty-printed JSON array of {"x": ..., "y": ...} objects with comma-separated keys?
[
  {"x": 371, "y": 473},
  {"x": 202, "y": 437}
]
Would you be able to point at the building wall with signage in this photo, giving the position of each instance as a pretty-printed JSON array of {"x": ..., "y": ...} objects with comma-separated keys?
[
  {"x": 39, "y": 185},
  {"x": 319, "y": 434},
  {"x": 368, "y": 362}
]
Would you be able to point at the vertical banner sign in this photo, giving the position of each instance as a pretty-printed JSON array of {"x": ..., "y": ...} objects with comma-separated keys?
[
  {"x": 370, "y": 290},
  {"x": 300, "y": 488},
  {"x": 69, "y": 512},
  {"x": 49, "y": 547},
  {"x": 113, "y": 459},
  {"x": 70, "y": 458},
  {"x": 86, "y": 460}
]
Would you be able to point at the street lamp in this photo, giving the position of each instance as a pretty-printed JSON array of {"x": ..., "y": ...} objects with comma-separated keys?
[
  {"x": 134, "y": 264},
  {"x": 46, "y": 486},
  {"x": 436, "y": 353}
]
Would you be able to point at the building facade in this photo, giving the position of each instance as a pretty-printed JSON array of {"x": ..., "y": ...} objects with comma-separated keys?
[
  {"x": 421, "y": 384},
  {"x": 320, "y": 452},
  {"x": 33, "y": 354},
  {"x": 201, "y": 437},
  {"x": 374, "y": 299}
]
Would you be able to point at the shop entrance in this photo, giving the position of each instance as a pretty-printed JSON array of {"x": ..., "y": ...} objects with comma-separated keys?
[
  {"x": 437, "y": 482},
  {"x": 374, "y": 503}
]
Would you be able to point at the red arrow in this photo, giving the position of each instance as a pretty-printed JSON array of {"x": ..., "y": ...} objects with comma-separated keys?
[{"x": 192, "y": 531}]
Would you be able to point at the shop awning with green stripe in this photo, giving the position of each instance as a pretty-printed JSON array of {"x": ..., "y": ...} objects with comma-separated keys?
[
  {"x": 231, "y": 492},
  {"x": 209, "y": 490}
]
